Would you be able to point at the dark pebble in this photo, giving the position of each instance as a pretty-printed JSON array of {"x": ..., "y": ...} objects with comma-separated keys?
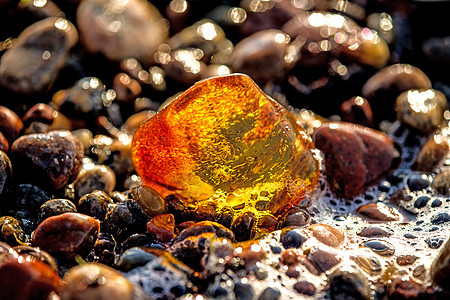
[
  {"x": 149, "y": 200},
  {"x": 418, "y": 182},
  {"x": 52, "y": 158},
  {"x": 242, "y": 227},
  {"x": 275, "y": 249},
  {"x": 5, "y": 172},
  {"x": 380, "y": 247},
  {"x": 243, "y": 291},
  {"x": 440, "y": 218},
  {"x": 409, "y": 236},
  {"x": 96, "y": 177},
  {"x": 10, "y": 124},
  {"x": 434, "y": 242},
  {"x": 421, "y": 202},
  {"x": 205, "y": 226},
  {"x": 375, "y": 231},
  {"x": 323, "y": 260},
  {"x": 292, "y": 239},
  {"x": 55, "y": 207},
  {"x": 95, "y": 204},
  {"x": 294, "y": 217},
  {"x": 270, "y": 294}
]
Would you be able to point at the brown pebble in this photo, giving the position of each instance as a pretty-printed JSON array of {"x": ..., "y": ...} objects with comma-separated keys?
[
  {"x": 357, "y": 110},
  {"x": 149, "y": 200},
  {"x": 96, "y": 281},
  {"x": 163, "y": 227},
  {"x": 127, "y": 89},
  {"x": 5, "y": 172},
  {"x": 10, "y": 124},
  {"x": 294, "y": 217},
  {"x": 289, "y": 257},
  {"x": 23, "y": 279},
  {"x": 205, "y": 226},
  {"x": 40, "y": 112},
  {"x": 327, "y": 234},
  {"x": 375, "y": 231},
  {"x": 52, "y": 158},
  {"x": 441, "y": 182},
  {"x": 431, "y": 154},
  {"x": 379, "y": 212},
  {"x": 4, "y": 145},
  {"x": 406, "y": 259},
  {"x": 95, "y": 204},
  {"x": 305, "y": 288},
  {"x": 322, "y": 260},
  {"x": 242, "y": 226},
  {"x": 355, "y": 156},
  {"x": 67, "y": 235}
]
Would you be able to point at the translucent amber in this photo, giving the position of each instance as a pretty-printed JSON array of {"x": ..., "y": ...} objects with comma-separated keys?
[{"x": 225, "y": 140}]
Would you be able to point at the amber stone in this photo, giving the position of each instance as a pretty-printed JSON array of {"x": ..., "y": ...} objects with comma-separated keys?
[{"x": 225, "y": 140}]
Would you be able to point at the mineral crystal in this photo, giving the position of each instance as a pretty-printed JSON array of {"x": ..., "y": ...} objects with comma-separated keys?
[{"x": 225, "y": 140}]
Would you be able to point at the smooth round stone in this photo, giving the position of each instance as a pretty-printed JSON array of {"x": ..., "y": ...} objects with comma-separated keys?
[
  {"x": 24, "y": 279},
  {"x": 323, "y": 260},
  {"x": 321, "y": 34},
  {"x": 305, "y": 288},
  {"x": 55, "y": 207},
  {"x": 421, "y": 109},
  {"x": 226, "y": 140},
  {"x": 418, "y": 182},
  {"x": 357, "y": 110},
  {"x": 5, "y": 172},
  {"x": 67, "y": 235},
  {"x": 10, "y": 124},
  {"x": 96, "y": 281},
  {"x": 434, "y": 242},
  {"x": 119, "y": 29},
  {"x": 95, "y": 204},
  {"x": 374, "y": 231},
  {"x": 205, "y": 226},
  {"x": 40, "y": 112},
  {"x": 441, "y": 183},
  {"x": 94, "y": 177},
  {"x": 395, "y": 78},
  {"x": 379, "y": 212},
  {"x": 355, "y": 156},
  {"x": 327, "y": 234},
  {"x": 11, "y": 231},
  {"x": 292, "y": 239},
  {"x": 4, "y": 145},
  {"x": 242, "y": 226},
  {"x": 52, "y": 158},
  {"x": 294, "y": 217},
  {"x": 380, "y": 247},
  {"x": 431, "y": 154},
  {"x": 262, "y": 56},
  {"x": 440, "y": 218},
  {"x": 421, "y": 202},
  {"x": 370, "y": 264},
  {"x": 149, "y": 200},
  {"x": 40, "y": 51}
]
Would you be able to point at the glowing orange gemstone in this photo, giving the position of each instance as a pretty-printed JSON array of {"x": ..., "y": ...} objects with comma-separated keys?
[{"x": 225, "y": 140}]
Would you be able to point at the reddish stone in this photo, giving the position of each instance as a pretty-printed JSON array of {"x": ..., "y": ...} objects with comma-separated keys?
[
  {"x": 355, "y": 156},
  {"x": 163, "y": 227},
  {"x": 4, "y": 145},
  {"x": 67, "y": 235},
  {"x": 21, "y": 279},
  {"x": 357, "y": 110},
  {"x": 327, "y": 234},
  {"x": 10, "y": 124}
]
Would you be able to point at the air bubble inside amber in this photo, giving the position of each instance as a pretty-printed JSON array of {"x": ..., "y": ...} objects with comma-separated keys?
[{"x": 225, "y": 140}]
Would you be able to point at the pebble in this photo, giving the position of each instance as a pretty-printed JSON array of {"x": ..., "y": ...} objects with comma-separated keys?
[
  {"x": 375, "y": 231},
  {"x": 192, "y": 249},
  {"x": 380, "y": 247},
  {"x": 355, "y": 156},
  {"x": 131, "y": 29},
  {"x": 97, "y": 281},
  {"x": 357, "y": 110},
  {"x": 327, "y": 234},
  {"x": 441, "y": 182},
  {"x": 322, "y": 260},
  {"x": 95, "y": 204},
  {"x": 421, "y": 109},
  {"x": 421, "y": 202},
  {"x": 67, "y": 235},
  {"x": 210, "y": 210},
  {"x": 35, "y": 254},
  {"x": 40, "y": 51},
  {"x": 82, "y": 101},
  {"x": 417, "y": 182},
  {"x": 163, "y": 227},
  {"x": 94, "y": 177},
  {"x": 127, "y": 89},
  {"x": 431, "y": 154},
  {"x": 11, "y": 231},
  {"x": 55, "y": 207},
  {"x": 133, "y": 258},
  {"x": 434, "y": 242},
  {"x": 379, "y": 212},
  {"x": 270, "y": 293},
  {"x": 10, "y": 124},
  {"x": 242, "y": 226},
  {"x": 405, "y": 288},
  {"x": 52, "y": 158},
  {"x": 205, "y": 226},
  {"x": 262, "y": 56},
  {"x": 243, "y": 291},
  {"x": 5, "y": 172},
  {"x": 348, "y": 284},
  {"x": 4, "y": 145},
  {"x": 305, "y": 288},
  {"x": 406, "y": 259},
  {"x": 23, "y": 279},
  {"x": 396, "y": 79},
  {"x": 149, "y": 200},
  {"x": 294, "y": 217},
  {"x": 292, "y": 239},
  {"x": 440, "y": 218},
  {"x": 370, "y": 264}
]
